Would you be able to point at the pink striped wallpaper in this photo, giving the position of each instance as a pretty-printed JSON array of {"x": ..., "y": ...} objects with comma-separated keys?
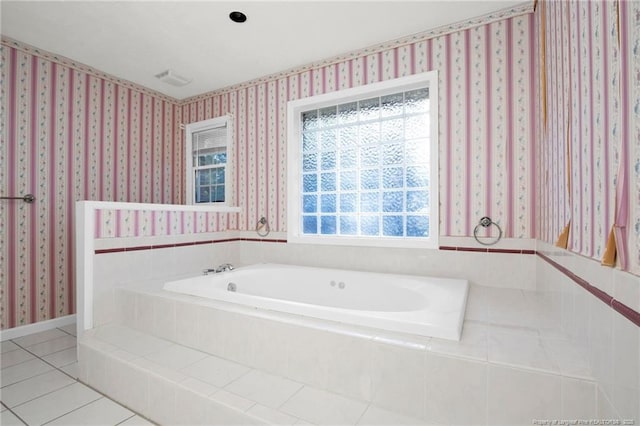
[
  {"x": 486, "y": 124},
  {"x": 141, "y": 223},
  {"x": 593, "y": 92},
  {"x": 69, "y": 135},
  {"x": 76, "y": 133}
]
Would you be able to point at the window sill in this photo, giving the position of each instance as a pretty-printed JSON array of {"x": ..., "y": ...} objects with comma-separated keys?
[{"x": 407, "y": 242}]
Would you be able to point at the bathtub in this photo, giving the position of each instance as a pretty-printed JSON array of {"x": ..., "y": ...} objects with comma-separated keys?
[{"x": 425, "y": 306}]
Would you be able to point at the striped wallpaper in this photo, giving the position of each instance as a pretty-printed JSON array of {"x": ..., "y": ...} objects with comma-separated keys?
[
  {"x": 112, "y": 223},
  {"x": 593, "y": 92},
  {"x": 68, "y": 135},
  {"x": 71, "y": 133},
  {"x": 78, "y": 134},
  {"x": 486, "y": 124}
]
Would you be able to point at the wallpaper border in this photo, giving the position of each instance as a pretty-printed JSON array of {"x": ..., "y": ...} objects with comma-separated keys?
[{"x": 502, "y": 14}]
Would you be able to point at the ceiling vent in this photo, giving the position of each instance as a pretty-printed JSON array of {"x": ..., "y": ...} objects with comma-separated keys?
[{"x": 172, "y": 78}]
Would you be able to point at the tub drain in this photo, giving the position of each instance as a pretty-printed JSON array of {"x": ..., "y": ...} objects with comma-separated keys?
[{"x": 231, "y": 287}]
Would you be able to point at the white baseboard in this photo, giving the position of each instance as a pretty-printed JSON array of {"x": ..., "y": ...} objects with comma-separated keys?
[{"x": 23, "y": 330}]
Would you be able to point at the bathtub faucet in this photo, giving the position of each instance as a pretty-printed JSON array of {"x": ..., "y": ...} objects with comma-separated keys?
[{"x": 222, "y": 268}]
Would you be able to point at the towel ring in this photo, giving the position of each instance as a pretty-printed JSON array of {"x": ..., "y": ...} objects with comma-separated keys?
[
  {"x": 486, "y": 222},
  {"x": 262, "y": 227}
]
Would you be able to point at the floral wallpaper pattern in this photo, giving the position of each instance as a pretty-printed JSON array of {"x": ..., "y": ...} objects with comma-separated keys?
[
  {"x": 68, "y": 135},
  {"x": 593, "y": 92},
  {"x": 486, "y": 124},
  {"x": 71, "y": 133}
]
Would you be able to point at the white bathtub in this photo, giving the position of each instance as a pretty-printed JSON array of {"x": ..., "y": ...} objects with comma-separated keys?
[{"x": 425, "y": 306}]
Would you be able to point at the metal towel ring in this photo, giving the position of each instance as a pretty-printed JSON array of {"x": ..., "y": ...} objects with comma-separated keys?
[
  {"x": 262, "y": 227},
  {"x": 486, "y": 222}
]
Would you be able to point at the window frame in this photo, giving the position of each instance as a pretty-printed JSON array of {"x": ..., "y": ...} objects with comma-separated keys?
[
  {"x": 190, "y": 129},
  {"x": 294, "y": 155}
]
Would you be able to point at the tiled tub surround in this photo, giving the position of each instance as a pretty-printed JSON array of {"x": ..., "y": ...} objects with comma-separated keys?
[
  {"x": 130, "y": 260},
  {"x": 508, "y": 368},
  {"x": 609, "y": 341},
  {"x": 528, "y": 326}
]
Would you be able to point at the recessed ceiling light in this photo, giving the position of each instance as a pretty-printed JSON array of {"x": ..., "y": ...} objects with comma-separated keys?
[{"x": 238, "y": 17}]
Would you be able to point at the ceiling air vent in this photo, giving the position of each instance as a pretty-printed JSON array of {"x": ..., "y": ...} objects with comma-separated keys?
[{"x": 172, "y": 78}]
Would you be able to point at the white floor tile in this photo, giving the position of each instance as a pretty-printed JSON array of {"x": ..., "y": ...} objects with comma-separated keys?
[
  {"x": 321, "y": 407},
  {"x": 215, "y": 371},
  {"x": 7, "y": 418},
  {"x": 71, "y": 369},
  {"x": 34, "y": 387},
  {"x": 71, "y": 329},
  {"x": 22, "y": 371},
  {"x": 54, "y": 345},
  {"x": 100, "y": 412},
  {"x": 56, "y": 404},
  {"x": 15, "y": 357},
  {"x": 43, "y": 336},
  {"x": 62, "y": 358},
  {"x": 263, "y": 388},
  {"x": 378, "y": 416},
  {"x": 136, "y": 421},
  {"x": 176, "y": 356},
  {"x": 8, "y": 346},
  {"x": 272, "y": 416}
]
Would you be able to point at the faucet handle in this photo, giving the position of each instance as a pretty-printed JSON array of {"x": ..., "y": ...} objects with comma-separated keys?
[{"x": 225, "y": 267}]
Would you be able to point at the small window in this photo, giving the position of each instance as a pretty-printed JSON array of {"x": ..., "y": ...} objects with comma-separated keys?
[
  {"x": 363, "y": 165},
  {"x": 207, "y": 161}
]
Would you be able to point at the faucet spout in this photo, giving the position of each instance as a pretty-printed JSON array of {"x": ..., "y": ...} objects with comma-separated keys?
[
  {"x": 222, "y": 268},
  {"x": 225, "y": 267}
]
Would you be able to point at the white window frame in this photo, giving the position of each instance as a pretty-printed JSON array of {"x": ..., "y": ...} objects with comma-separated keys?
[
  {"x": 294, "y": 156},
  {"x": 190, "y": 129}
]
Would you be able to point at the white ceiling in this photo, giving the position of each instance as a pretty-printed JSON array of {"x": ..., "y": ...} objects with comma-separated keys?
[{"x": 134, "y": 40}]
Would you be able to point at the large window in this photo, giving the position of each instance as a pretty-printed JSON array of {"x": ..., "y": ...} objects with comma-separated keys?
[
  {"x": 363, "y": 165},
  {"x": 207, "y": 159}
]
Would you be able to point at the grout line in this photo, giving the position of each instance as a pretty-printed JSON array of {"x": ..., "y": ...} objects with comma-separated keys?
[
  {"x": 75, "y": 409},
  {"x": 289, "y": 399},
  {"x": 128, "y": 418},
  {"x": 57, "y": 352},
  {"x": 33, "y": 344},
  {"x": 17, "y": 416},
  {"x": 65, "y": 331},
  {"x": 75, "y": 380},
  {"x": 237, "y": 378},
  {"x": 46, "y": 362},
  {"x": 44, "y": 394},
  {"x": 31, "y": 377},
  {"x": 365, "y": 411}
]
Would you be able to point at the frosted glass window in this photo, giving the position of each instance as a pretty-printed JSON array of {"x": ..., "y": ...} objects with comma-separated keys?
[
  {"x": 362, "y": 165},
  {"x": 365, "y": 167}
]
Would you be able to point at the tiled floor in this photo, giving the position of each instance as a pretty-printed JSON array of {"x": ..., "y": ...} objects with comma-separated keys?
[{"x": 39, "y": 385}]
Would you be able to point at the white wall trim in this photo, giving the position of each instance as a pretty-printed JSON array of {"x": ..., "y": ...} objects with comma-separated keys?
[
  {"x": 85, "y": 246},
  {"x": 117, "y": 205},
  {"x": 36, "y": 327}
]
